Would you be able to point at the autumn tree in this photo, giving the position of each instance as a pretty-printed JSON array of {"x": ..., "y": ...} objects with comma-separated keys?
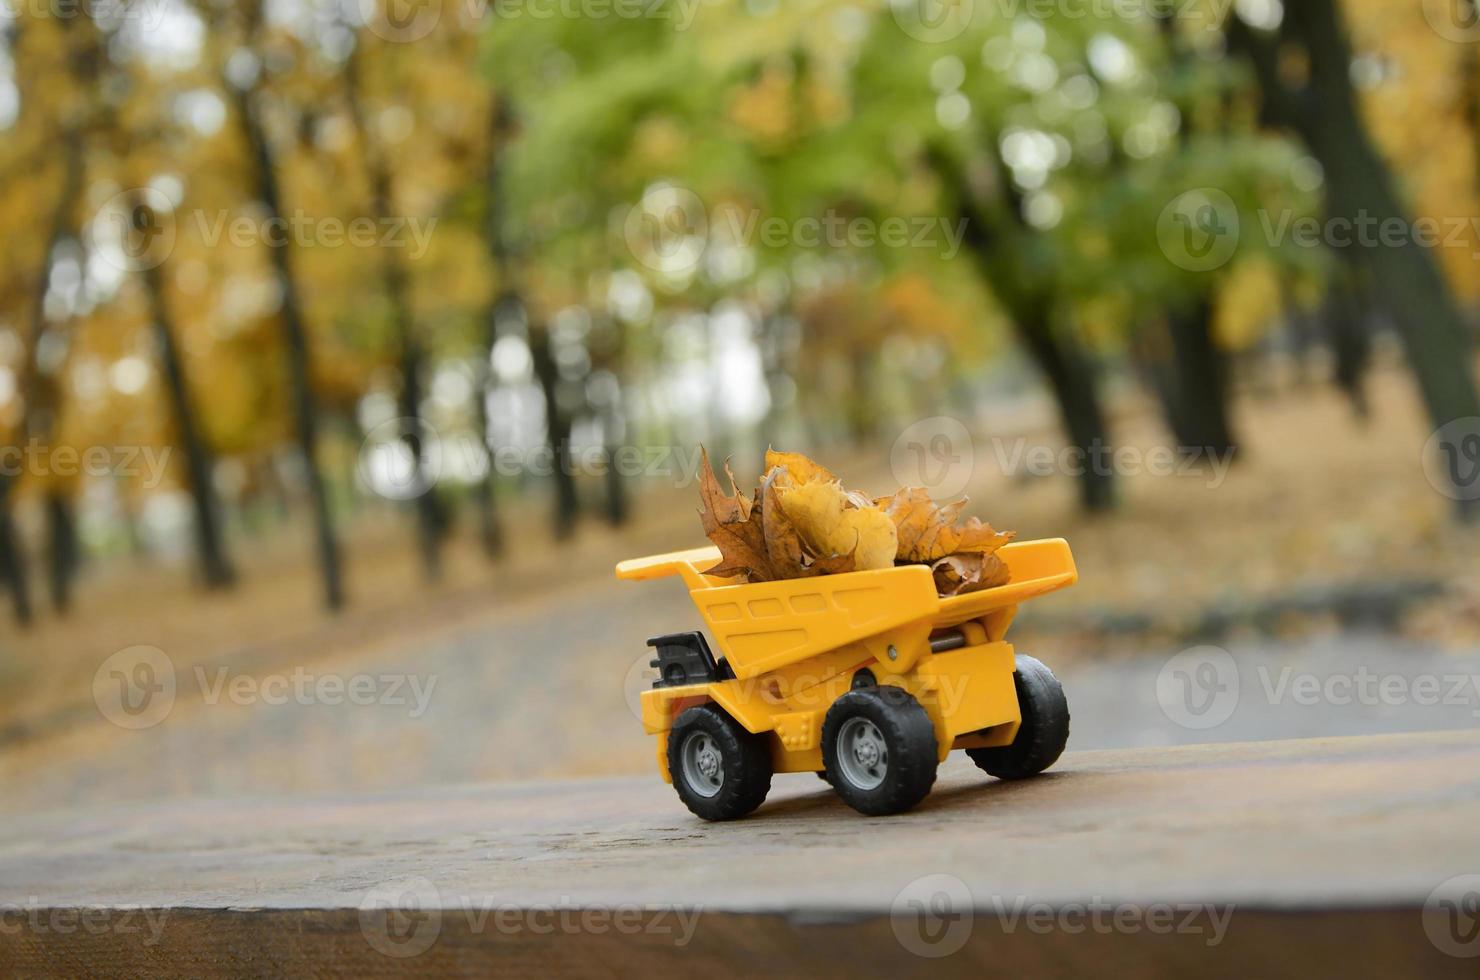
[{"x": 1317, "y": 101}]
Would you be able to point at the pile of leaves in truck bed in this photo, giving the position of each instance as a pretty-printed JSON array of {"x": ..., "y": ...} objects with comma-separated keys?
[{"x": 802, "y": 522}]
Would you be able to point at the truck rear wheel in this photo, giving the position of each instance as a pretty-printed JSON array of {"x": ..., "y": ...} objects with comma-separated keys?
[
  {"x": 721, "y": 771},
  {"x": 879, "y": 749},
  {"x": 1044, "y": 732}
]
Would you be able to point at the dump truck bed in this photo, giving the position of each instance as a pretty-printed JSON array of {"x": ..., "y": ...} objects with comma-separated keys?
[{"x": 764, "y": 626}]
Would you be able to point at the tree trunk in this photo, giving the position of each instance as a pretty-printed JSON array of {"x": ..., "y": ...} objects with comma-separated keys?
[
  {"x": 1067, "y": 368},
  {"x": 501, "y": 124},
  {"x": 1201, "y": 380},
  {"x": 1345, "y": 323},
  {"x": 1150, "y": 356},
  {"x": 618, "y": 504},
  {"x": 300, "y": 375},
  {"x": 215, "y": 568},
  {"x": 13, "y": 559},
  {"x": 39, "y": 390},
  {"x": 1071, "y": 378},
  {"x": 618, "y": 501},
  {"x": 1069, "y": 371},
  {"x": 429, "y": 518},
  {"x": 490, "y": 531},
  {"x": 62, "y": 555},
  {"x": 1198, "y": 387},
  {"x": 557, "y": 433},
  {"x": 1404, "y": 276}
]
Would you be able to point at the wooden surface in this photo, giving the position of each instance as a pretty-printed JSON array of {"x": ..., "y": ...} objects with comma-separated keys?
[{"x": 1315, "y": 854}]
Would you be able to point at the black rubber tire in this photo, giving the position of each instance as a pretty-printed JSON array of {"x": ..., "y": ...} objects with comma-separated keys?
[
  {"x": 745, "y": 759},
  {"x": 909, "y": 736},
  {"x": 1045, "y": 729}
]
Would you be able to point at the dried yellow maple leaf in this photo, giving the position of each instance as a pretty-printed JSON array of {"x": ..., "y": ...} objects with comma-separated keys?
[
  {"x": 783, "y": 545},
  {"x": 756, "y": 538},
  {"x": 799, "y": 468},
  {"x": 928, "y": 531},
  {"x": 802, "y": 522},
  {"x": 735, "y": 527},
  {"x": 830, "y": 523},
  {"x": 969, "y": 571}
]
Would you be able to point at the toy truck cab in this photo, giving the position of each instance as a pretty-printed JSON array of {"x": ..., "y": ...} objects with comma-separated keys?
[{"x": 868, "y": 678}]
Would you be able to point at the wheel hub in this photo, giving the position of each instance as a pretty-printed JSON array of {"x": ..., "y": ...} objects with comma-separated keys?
[
  {"x": 863, "y": 755},
  {"x": 703, "y": 764},
  {"x": 708, "y": 763}
]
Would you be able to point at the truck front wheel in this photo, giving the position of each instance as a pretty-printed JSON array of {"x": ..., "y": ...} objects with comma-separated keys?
[
  {"x": 1044, "y": 732},
  {"x": 721, "y": 771},
  {"x": 879, "y": 749}
]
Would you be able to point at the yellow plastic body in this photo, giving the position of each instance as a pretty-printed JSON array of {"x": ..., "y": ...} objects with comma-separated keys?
[{"x": 794, "y": 646}]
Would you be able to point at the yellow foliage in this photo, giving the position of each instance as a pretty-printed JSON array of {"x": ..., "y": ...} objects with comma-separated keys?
[
  {"x": 829, "y": 523},
  {"x": 1249, "y": 300}
]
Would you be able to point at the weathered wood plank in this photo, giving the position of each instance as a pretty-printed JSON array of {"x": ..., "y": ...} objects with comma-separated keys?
[{"x": 1237, "y": 859}]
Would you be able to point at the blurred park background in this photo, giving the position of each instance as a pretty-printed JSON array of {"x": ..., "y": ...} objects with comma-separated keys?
[{"x": 346, "y": 344}]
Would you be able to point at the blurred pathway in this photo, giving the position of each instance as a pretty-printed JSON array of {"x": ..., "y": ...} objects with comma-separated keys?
[{"x": 548, "y": 690}]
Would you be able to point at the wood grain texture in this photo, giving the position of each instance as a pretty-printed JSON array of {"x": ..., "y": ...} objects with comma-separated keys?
[{"x": 1320, "y": 852}]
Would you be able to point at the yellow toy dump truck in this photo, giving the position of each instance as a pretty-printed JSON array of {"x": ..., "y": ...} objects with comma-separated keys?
[{"x": 867, "y": 678}]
